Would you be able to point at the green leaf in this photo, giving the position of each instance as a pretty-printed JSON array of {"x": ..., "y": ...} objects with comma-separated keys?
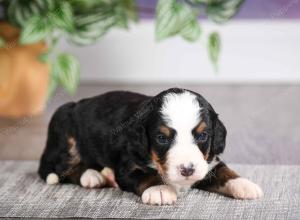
[
  {"x": 199, "y": 1},
  {"x": 50, "y": 4},
  {"x": 20, "y": 11},
  {"x": 91, "y": 26},
  {"x": 52, "y": 86},
  {"x": 44, "y": 57},
  {"x": 222, "y": 10},
  {"x": 214, "y": 47},
  {"x": 2, "y": 42},
  {"x": 86, "y": 5},
  {"x": 94, "y": 18},
  {"x": 121, "y": 16},
  {"x": 125, "y": 11},
  {"x": 174, "y": 18},
  {"x": 189, "y": 29},
  {"x": 62, "y": 16},
  {"x": 131, "y": 9},
  {"x": 66, "y": 72},
  {"x": 35, "y": 30},
  {"x": 166, "y": 18}
]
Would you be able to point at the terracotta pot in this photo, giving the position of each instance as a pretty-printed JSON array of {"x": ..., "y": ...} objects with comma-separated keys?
[{"x": 23, "y": 78}]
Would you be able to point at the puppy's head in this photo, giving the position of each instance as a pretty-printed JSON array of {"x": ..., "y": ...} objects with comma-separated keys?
[{"x": 184, "y": 136}]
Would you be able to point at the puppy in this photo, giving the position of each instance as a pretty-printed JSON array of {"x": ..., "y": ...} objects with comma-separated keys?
[{"x": 156, "y": 146}]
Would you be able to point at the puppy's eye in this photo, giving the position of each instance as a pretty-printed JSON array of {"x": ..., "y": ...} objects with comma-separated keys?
[
  {"x": 202, "y": 137},
  {"x": 162, "y": 139}
]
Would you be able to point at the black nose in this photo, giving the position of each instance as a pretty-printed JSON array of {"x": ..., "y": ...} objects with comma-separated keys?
[{"x": 187, "y": 171}]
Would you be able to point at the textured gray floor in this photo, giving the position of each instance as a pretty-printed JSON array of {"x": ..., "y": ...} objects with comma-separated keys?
[
  {"x": 23, "y": 194},
  {"x": 263, "y": 122}
]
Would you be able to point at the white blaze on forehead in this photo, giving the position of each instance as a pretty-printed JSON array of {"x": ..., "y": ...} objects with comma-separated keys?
[{"x": 181, "y": 111}]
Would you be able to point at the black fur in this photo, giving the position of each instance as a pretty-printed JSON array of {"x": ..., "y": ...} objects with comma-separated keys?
[{"x": 117, "y": 130}]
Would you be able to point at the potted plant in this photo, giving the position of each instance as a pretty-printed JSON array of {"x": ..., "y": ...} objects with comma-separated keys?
[{"x": 31, "y": 64}]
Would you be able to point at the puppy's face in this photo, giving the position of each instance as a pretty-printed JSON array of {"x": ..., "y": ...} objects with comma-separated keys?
[{"x": 182, "y": 134}]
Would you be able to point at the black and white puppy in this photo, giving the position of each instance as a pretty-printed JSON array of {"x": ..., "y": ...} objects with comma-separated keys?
[{"x": 156, "y": 146}]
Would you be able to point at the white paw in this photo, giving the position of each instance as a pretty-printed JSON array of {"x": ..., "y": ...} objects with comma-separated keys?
[
  {"x": 159, "y": 195},
  {"x": 242, "y": 188},
  {"x": 92, "y": 179},
  {"x": 52, "y": 179}
]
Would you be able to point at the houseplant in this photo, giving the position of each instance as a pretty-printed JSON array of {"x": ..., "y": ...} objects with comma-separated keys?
[{"x": 83, "y": 22}]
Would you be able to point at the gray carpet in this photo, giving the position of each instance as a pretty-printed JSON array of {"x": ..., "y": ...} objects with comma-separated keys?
[{"x": 23, "y": 194}]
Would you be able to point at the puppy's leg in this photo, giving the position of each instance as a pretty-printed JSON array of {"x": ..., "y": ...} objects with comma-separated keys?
[
  {"x": 91, "y": 178},
  {"x": 110, "y": 177},
  {"x": 57, "y": 160},
  {"x": 223, "y": 180},
  {"x": 63, "y": 164},
  {"x": 80, "y": 173},
  {"x": 61, "y": 161}
]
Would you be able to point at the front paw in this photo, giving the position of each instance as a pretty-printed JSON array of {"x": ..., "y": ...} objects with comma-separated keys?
[
  {"x": 159, "y": 195},
  {"x": 92, "y": 179},
  {"x": 241, "y": 188}
]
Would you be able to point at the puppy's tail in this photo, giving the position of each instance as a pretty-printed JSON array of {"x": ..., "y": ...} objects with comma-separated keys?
[{"x": 53, "y": 163}]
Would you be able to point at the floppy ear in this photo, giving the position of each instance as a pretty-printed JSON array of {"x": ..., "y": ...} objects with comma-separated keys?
[{"x": 219, "y": 138}]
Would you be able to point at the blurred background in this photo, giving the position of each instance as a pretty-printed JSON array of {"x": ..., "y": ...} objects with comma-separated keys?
[{"x": 242, "y": 56}]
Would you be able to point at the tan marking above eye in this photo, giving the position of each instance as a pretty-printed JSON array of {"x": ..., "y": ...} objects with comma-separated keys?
[
  {"x": 165, "y": 130},
  {"x": 201, "y": 127}
]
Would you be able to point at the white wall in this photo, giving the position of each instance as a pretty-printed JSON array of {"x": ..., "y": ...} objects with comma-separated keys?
[{"x": 253, "y": 51}]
